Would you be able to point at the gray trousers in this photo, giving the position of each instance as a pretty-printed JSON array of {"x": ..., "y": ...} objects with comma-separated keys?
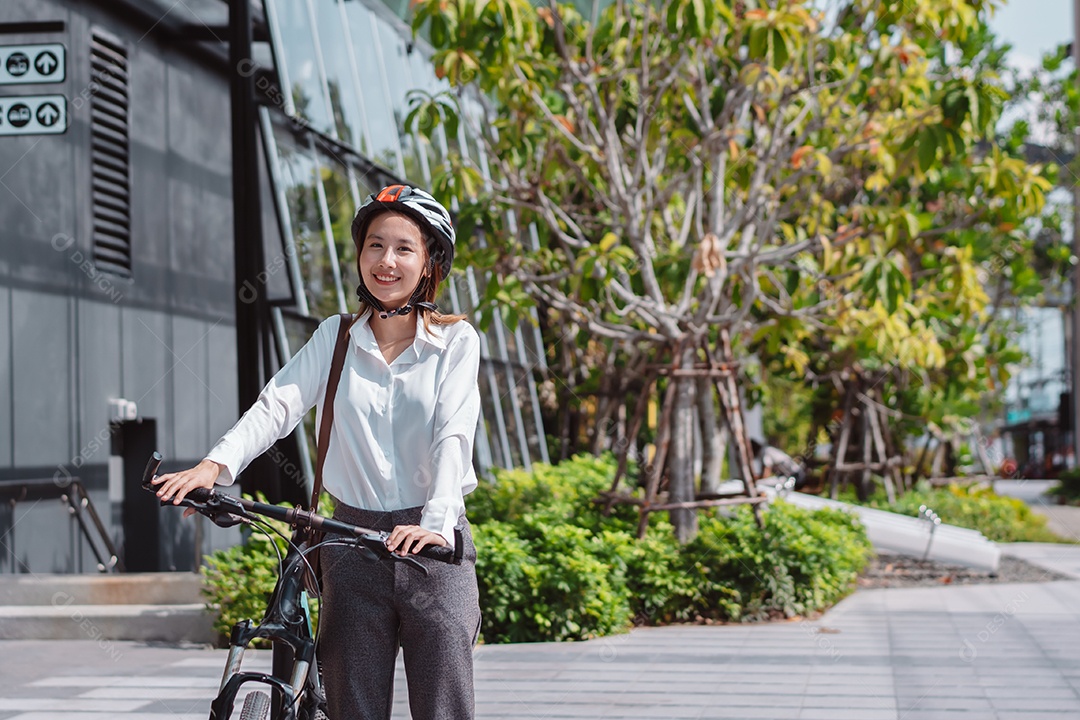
[{"x": 370, "y": 608}]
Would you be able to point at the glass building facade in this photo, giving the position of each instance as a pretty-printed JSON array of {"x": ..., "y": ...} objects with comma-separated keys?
[{"x": 338, "y": 134}]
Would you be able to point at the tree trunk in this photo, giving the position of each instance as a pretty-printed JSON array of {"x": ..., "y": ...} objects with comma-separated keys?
[
  {"x": 566, "y": 393},
  {"x": 863, "y": 490},
  {"x": 840, "y": 450},
  {"x": 608, "y": 400},
  {"x": 713, "y": 438},
  {"x": 681, "y": 464}
]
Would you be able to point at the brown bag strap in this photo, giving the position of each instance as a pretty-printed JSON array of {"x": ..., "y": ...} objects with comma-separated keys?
[{"x": 328, "y": 405}]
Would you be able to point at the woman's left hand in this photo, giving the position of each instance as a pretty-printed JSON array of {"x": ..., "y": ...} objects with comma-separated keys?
[{"x": 413, "y": 538}]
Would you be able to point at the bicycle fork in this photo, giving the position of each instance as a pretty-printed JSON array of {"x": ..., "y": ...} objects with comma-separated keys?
[{"x": 232, "y": 678}]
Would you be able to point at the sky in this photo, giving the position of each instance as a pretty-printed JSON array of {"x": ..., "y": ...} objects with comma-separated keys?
[{"x": 1032, "y": 27}]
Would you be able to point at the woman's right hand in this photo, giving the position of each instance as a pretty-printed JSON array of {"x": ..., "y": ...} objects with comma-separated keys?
[{"x": 174, "y": 486}]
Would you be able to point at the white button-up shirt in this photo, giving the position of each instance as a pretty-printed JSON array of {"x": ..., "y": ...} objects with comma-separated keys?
[{"x": 403, "y": 432}]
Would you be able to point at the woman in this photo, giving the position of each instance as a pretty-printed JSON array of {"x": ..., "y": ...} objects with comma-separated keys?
[{"x": 399, "y": 459}]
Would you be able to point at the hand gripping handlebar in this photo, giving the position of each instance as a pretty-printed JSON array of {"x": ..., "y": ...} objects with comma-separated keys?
[{"x": 227, "y": 510}]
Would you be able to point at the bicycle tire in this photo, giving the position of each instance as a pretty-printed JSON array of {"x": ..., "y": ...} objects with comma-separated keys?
[{"x": 256, "y": 706}]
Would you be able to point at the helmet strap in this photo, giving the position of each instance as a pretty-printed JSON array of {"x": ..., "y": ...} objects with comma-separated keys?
[{"x": 365, "y": 296}]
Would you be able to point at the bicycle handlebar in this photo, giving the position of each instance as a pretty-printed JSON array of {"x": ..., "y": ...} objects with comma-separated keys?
[{"x": 231, "y": 510}]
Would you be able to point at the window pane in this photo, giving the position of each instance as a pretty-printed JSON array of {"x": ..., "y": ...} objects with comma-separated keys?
[
  {"x": 298, "y": 176},
  {"x": 490, "y": 418},
  {"x": 530, "y": 421},
  {"x": 505, "y": 393},
  {"x": 340, "y": 78},
  {"x": 509, "y": 340},
  {"x": 298, "y": 54},
  {"x": 384, "y": 142},
  {"x": 396, "y": 63},
  {"x": 339, "y": 201}
]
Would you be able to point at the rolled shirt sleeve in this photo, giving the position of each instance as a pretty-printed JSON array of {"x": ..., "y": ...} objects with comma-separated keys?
[
  {"x": 280, "y": 406},
  {"x": 457, "y": 411}
]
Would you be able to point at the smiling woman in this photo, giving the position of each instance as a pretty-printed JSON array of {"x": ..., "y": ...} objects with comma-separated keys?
[
  {"x": 397, "y": 457},
  {"x": 393, "y": 258}
]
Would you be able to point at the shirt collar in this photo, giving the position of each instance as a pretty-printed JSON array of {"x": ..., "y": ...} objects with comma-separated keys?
[{"x": 364, "y": 337}]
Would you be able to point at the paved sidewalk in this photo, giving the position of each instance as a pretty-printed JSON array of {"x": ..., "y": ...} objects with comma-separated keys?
[
  {"x": 986, "y": 652},
  {"x": 1062, "y": 519}
]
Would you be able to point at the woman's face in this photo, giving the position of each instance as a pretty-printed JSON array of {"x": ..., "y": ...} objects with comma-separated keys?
[{"x": 393, "y": 259}]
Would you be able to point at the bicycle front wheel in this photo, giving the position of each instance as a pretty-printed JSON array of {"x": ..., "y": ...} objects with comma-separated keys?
[{"x": 256, "y": 706}]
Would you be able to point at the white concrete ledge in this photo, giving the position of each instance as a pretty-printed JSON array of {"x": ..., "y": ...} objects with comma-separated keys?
[{"x": 912, "y": 536}]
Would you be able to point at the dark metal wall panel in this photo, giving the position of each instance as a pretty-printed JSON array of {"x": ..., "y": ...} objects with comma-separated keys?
[
  {"x": 7, "y": 425},
  {"x": 99, "y": 376},
  {"x": 40, "y": 326},
  {"x": 191, "y": 388},
  {"x": 150, "y": 170},
  {"x": 36, "y": 184},
  {"x": 41, "y": 536},
  {"x": 200, "y": 222},
  {"x": 224, "y": 410},
  {"x": 200, "y": 191},
  {"x": 148, "y": 361}
]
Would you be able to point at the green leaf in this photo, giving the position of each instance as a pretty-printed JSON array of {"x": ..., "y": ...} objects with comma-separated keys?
[{"x": 927, "y": 150}]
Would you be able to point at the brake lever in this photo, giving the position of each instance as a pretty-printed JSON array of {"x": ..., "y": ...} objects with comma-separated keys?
[
  {"x": 228, "y": 520},
  {"x": 223, "y": 510},
  {"x": 379, "y": 540},
  {"x": 409, "y": 560}
]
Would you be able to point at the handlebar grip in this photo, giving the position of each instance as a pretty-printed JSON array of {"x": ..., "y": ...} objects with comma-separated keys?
[
  {"x": 200, "y": 495},
  {"x": 151, "y": 468},
  {"x": 436, "y": 552},
  {"x": 445, "y": 554}
]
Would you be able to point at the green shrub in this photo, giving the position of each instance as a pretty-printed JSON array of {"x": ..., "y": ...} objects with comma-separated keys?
[
  {"x": 799, "y": 563},
  {"x": 541, "y": 581},
  {"x": 552, "y": 567},
  {"x": 1068, "y": 485},
  {"x": 661, "y": 588},
  {"x": 238, "y": 581},
  {"x": 977, "y": 507},
  {"x": 558, "y": 493}
]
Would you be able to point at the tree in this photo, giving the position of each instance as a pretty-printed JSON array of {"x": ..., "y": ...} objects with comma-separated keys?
[{"x": 715, "y": 178}]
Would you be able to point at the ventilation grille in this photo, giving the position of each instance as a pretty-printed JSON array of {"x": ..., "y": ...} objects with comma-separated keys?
[{"x": 110, "y": 155}]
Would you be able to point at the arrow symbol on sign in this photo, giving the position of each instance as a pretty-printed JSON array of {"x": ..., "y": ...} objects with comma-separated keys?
[
  {"x": 48, "y": 114},
  {"x": 45, "y": 63}
]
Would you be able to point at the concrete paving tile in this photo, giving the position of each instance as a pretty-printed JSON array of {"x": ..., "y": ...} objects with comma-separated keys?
[
  {"x": 946, "y": 715},
  {"x": 1038, "y": 703},
  {"x": 874, "y": 702},
  {"x": 1033, "y": 683},
  {"x": 909, "y": 694},
  {"x": 727, "y": 713},
  {"x": 1062, "y": 692},
  {"x": 839, "y": 714},
  {"x": 932, "y": 702}
]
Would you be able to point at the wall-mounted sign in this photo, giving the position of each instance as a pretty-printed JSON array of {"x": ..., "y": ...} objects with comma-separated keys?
[
  {"x": 33, "y": 115},
  {"x": 25, "y": 64}
]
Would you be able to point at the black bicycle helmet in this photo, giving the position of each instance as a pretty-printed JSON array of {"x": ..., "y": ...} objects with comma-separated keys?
[{"x": 435, "y": 225}]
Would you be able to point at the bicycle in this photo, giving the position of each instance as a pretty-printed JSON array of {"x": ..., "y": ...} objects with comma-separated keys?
[{"x": 296, "y": 692}]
